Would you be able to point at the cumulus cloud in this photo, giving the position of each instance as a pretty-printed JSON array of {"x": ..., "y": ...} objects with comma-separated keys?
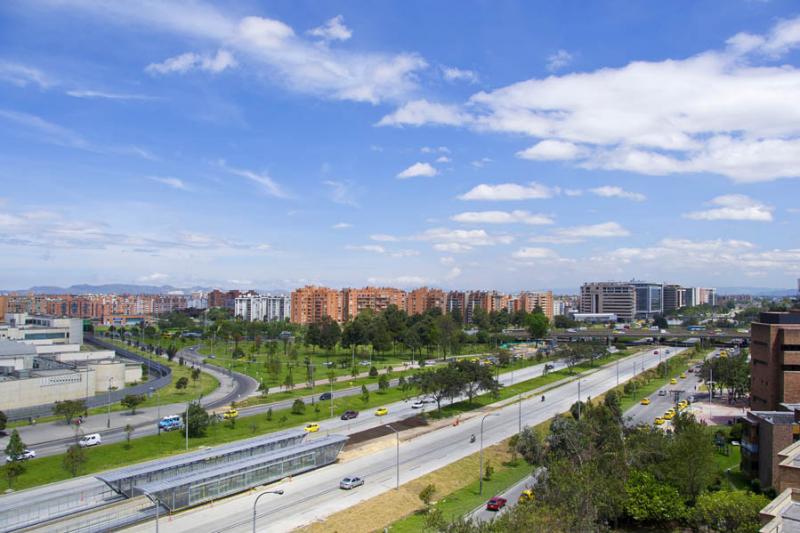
[
  {"x": 333, "y": 30},
  {"x": 382, "y": 237},
  {"x": 612, "y": 191},
  {"x": 734, "y": 207},
  {"x": 476, "y": 237},
  {"x": 529, "y": 253},
  {"x": 457, "y": 74},
  {"x": 443, "y": 159},
  {"x": 576, "y": 234},
  {"x": 721, "y": 111},
  {"x": 417, "y": 170},
  {"x": 558, "y": 60},
  {"x": 422, "y": 112},
  {"x": 502, "y": 217},
  {"x": 509, "y": 191},
  {"x": 190, "y": 61}
]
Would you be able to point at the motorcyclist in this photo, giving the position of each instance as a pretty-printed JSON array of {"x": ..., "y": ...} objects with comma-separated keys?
[
  {"x": 472, "y": 438},
  {"x": 542, "y": 397}
]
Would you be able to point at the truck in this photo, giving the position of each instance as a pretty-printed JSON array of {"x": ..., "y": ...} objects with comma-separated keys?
[{"x": 168, "y": 423}]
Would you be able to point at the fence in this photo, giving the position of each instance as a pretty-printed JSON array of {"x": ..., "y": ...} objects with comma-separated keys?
[{"x": 154, "y": 368}]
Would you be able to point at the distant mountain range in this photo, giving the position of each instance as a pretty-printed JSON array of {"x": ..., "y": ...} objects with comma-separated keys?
[{"x": 130, "y": 288}]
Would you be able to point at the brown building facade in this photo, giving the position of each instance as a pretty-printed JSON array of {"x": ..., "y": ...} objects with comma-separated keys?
[
  {"x": 311, "y": 304},
  {"x": 528, "y": 301},
  {"x": 422, "y": 300},
  {"x": 775, "y": 360},
  {"x": 373, "y": 298}
]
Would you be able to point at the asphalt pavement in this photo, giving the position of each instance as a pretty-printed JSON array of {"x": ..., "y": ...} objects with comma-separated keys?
[{"x": 482, "y": 514}]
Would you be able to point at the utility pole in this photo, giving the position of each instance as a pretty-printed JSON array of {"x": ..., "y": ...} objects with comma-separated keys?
[
  {"x": 480, "y": 471},
  {"x": 397, "y": 455}
]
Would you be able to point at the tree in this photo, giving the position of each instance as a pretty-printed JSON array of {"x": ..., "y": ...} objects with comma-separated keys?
[
  {"x": 269, "y": 414},
  {"x": 171, "y": 351},
  {"x": 14, "y": 469},
  {"x": 364, "y": 394},
  {"x": 537, "y": 325},
  {"x": 298, "y": 407},
  {"x": 660, "y": 322},
  {"x": 735, "y": 511},
  {"x": 288, "y": 381},
  {"x": 15, "y": 448},
  {"x": 612, "y": 401},
  {"x": 74, "y": 459},
  {"x": 330, "y": 333},
  {"x": 690, "y": 465},
  {"x": 198, "y": 420},
  {"x": 426, "y": 494},
  {"x": 379, "y": 335},
  {"x": 383, "y": 382},
  {"x": 3, "y": 420},
  {"x": 651, "y": 501},
  {"x": 195, "y": 375},
  {"x": 530, "y": 446},
  {"x": 128, "y": 432},
  {"x": 474, "y": 377},
  {"x": 182, "y": 383},
  {"x": 132, "y": 401},
  {"x": 564, "y": 322},
  {"x": 69, "y": 409},
  {"x": 373, "y": 372}
]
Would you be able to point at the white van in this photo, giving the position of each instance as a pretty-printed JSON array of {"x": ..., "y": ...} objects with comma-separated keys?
[{"x": 90, "y": 440}]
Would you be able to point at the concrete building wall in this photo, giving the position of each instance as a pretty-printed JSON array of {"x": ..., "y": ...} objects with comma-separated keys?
[
  {"x": 46, "y": 389},
  {"x": 775, "y": 360}
]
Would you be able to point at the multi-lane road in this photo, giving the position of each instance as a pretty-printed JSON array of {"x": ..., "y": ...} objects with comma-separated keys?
[{"x": 315, "y": 495}]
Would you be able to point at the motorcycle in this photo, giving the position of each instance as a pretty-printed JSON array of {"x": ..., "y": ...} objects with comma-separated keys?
[
  {"x": 472, "y": 438},
  {"x": 542, "y": 397}
]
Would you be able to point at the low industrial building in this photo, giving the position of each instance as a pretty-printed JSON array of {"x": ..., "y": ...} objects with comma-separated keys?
[
  {"x": 782, "y": 514},
  {"x": 765, "y": 434},
  {"x": 35, "y": 329}
]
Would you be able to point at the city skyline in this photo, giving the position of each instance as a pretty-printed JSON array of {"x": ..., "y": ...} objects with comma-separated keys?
[{"x": 292, "y": 144}]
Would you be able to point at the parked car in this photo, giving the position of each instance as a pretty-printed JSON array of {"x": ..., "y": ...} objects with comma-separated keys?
[
  {"x": 417, "y": 405},
  {"x": 365, "y": 363},
  {"x": 525, "y": 496},
  {"x": 93, "y": 439},
  {"x": 349, "y": 415},
  {"x": 325, "y": 396},
  {"x": 24, "y": 456},
  {"x": 496, "y": 503},
  {"x": 351, "y": 482},
  {"x": 381, "y": 411},
  {"x": 169, "y": 423},
  {"x": 312, "y": 428}
]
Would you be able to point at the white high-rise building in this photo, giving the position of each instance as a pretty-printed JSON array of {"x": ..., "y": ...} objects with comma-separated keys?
[{"x": 265, "y": 307}]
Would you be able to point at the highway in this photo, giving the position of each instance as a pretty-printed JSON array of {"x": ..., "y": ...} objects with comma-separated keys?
[
  {"x": 481, "y": 514},
  {"x": 315, "y": 495}
]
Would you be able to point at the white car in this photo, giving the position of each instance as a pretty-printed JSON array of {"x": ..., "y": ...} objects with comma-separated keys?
[
  {"x": 417, "y": 405},
  {"x": 428, "y": 400},
  {"x": 90, "y": 440},
  {"x": 351, "y": 482},
  {"x": 26, "y": 454}
]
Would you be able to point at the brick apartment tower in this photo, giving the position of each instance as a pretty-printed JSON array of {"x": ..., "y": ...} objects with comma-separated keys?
[
  {"x": 310, "y": 304},
  {"x": 775, "y": 360}
]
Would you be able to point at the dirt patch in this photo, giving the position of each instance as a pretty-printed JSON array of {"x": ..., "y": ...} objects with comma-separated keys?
[{"x": 359, "y": 438}]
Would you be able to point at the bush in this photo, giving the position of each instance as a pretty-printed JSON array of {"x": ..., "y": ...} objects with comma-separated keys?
[
  {"x": 488, "y": 472},
  {"x": 269, "y": 414},
  {"x": 426, "y": 494},
  {"x": 373, "y": 372},
  {"x": 298, "y": 407},
  {"x": 198, "y": 420}
]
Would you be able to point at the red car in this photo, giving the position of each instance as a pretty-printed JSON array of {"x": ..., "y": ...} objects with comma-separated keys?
[{"x": 495, "y": 504}]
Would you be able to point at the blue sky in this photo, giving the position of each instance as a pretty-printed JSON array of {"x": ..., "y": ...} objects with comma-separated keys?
[{"x": 485, "y": 144}]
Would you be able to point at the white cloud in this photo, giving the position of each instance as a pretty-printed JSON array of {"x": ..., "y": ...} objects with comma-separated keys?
[
  {"x": 452, "y": 274},
  {"x": 382, "y": 237},
  {"x": 509, "y": 191},
  {"x": 175, "y": 183},
  {"x": 559, "y": 60},
  {"x": 333, "y": 30},
  {"x": 422, "y": 112},
  {"x": 612, "y": 191},
  {"x": 342, "y": 192},
  {"x": 443, "y": 159},
  {"x": 23, "y": 75},
  {"x": 720, "y": 111},
  {"x": 267, "y": 184},
  {"x": 551, "y": 150},
  {"x": 417, "y": 170},
  {"x": 468, "y": 238},
  {"x": 480, "y": 163},
  {"x": 452, "y": 247},
  {"x": 457, "y": 74},
  {"x": 447, "y": 260},
  {"x": 376, "y": 248},
  {"x": 155, "y": 277},
  {"x": 190, "y": 61},
  {"x": 534, "y": 253},
  {"x": 502, "y": 217},
  {"x": 342, "y": 225},
  {"x": 85, "y": 93},
  {"x": 47, "y": 131},
  {"x": 734, "y": 207},
  {"x": 401, "y": 281},
  {"x": 573, "y": 192},
  {"x": 576, "y": 234},
  {"x": 270, "y": 49}
]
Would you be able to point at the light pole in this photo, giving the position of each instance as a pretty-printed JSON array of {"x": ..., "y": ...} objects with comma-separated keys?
[
  {"x": 108, "y": 421},
  {"x": 579, "y": 399},
  {"x": 187, "y": 426},
  {"x": 279, "y": 492},
  {"x": 617, "y": 372},
  {"x": 520, "y": 413},
  {"x": 480, "y": 472},
  {"x": 397, "y": 460},
  {"x": 156, "y": 503},
  {"x": 331, "y": 399}
]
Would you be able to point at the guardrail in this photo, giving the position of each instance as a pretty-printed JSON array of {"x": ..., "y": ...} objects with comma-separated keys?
[{"x": 154, "y": 368}]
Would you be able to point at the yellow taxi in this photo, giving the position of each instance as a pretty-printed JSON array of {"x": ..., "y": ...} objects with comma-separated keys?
[
  {"x": 230, "y": 413},
  {"x": 669, "y": 415},
  {"x": 683, "y": 375},
  {"x": 381, "y": 411},
  {"x": 658, "y": 421},
  {"x": 673, "y": 381},
  {"x": 525, "y": 496},
  {"x": 645, "y": 401},
  {"x": 312, "y": 428},
  {"x": 683, "y": 404}
]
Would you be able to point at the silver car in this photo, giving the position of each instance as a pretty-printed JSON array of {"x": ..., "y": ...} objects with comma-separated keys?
[{"x": 351, "y": 482}]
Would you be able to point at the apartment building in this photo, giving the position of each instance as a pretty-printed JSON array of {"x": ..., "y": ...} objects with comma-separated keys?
[
  {"x": 373, "y": 298},
  {"x": 765, "y": 434},
  {"x": 649, "y": 299},
  {"x": 609, "y": 297},
  {"x": 311, "y": 304},
  {"x": 701, "y": 296},
  {"x": 674, "y": 297},
  {"x": 423, "y": 299},
  {"x": 528, "y": 301},
  {"x": 226, "y": 299},
  {"x": 264, "y": 307},
  {"x": 775, "y": 360},
  {"x": 456, "y": 301},
  {"x": 3, "y": 307}
]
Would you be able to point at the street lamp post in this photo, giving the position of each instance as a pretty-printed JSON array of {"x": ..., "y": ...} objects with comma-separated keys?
[
  {"x": 156, "y": 503},
  {"x": 279, "y": 492},
  {"x": 331, "y": 399},
  {"x": 579, "y": 399},
  {"x": 520, "y": 413},
  {"x": 108, "y": 420},
  {"x": 397, "y": 455},
  {"x": 480, "y": 472},
  {"x": 187, "y": 425}
]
